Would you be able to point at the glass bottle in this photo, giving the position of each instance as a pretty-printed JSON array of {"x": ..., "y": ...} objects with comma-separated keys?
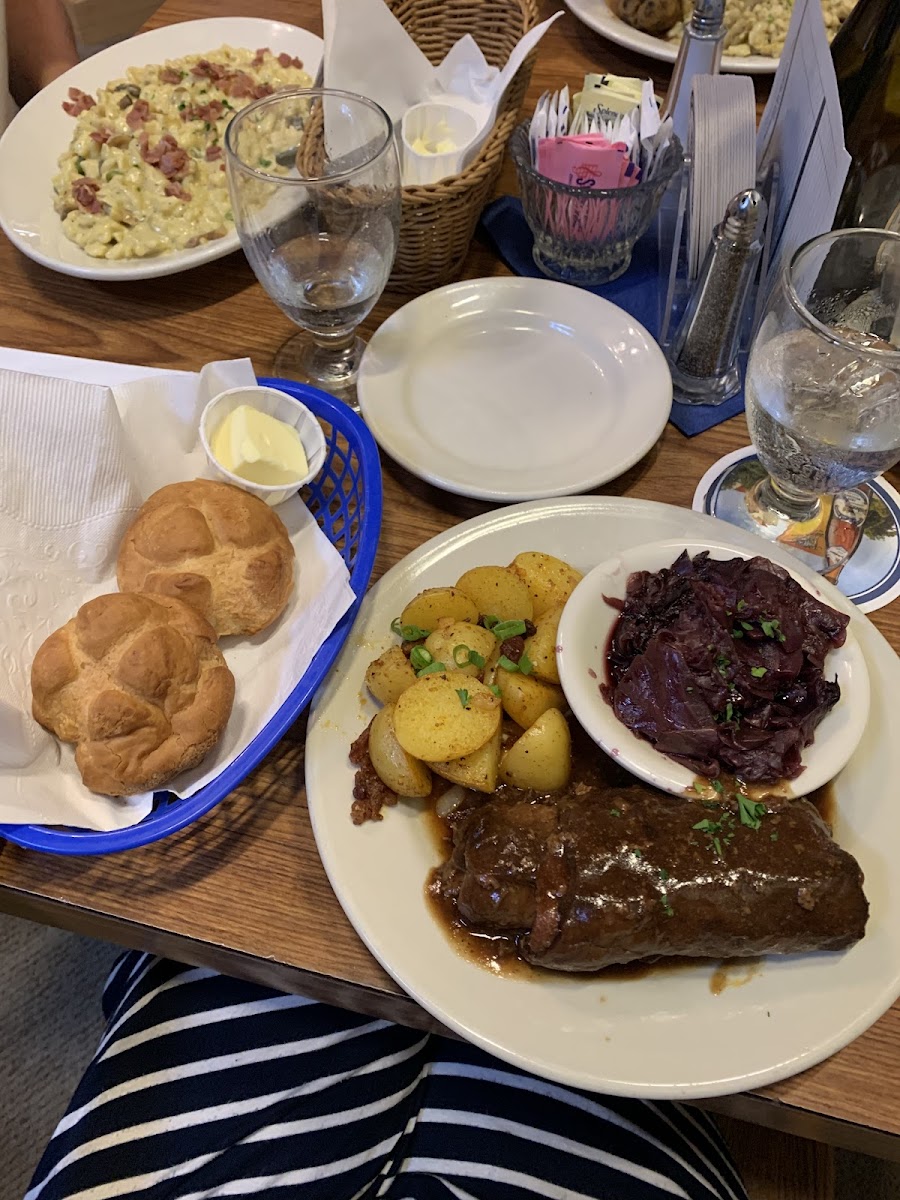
[{"x": 866, "y": 56}]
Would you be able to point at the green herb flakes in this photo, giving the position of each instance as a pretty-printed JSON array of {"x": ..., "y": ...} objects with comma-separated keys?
[
  {"x": 751, "y": 811},
  {"x": 758, "y": 672},
  {"x": 463, "y": 697}
]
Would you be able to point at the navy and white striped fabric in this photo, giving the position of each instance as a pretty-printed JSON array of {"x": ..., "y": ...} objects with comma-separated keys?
[{"x": 205, "y": 1086}]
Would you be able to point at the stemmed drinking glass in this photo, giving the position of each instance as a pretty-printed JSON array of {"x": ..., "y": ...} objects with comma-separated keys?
[
  {"x": 315, "y": 190},
  {"x": 823, "y": 391}
]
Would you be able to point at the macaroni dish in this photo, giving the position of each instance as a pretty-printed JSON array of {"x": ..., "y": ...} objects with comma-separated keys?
[
  {"x": 145, "y": 171},
  {"x": 760, "y": 26}
]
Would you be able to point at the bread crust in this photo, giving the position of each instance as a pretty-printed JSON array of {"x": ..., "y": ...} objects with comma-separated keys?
[
  {"x": 137, "y": 682},
  {"x": 214, "y": 546}
]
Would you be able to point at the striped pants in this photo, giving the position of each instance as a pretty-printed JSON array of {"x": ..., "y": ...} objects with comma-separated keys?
[{"x": 204, "y": 1086}]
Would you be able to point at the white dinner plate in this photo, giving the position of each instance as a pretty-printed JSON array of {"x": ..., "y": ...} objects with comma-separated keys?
[
  {"x": 41, "y": 132},
  {"x": 583, "y": 643},
  {"x": 664, "y": 1035},
  {"x": 514, "y": 389},
  {"x": 597, "y": 15}
]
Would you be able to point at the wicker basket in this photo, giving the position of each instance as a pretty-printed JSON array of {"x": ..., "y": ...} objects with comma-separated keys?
[{"x": 439, "y": 219}]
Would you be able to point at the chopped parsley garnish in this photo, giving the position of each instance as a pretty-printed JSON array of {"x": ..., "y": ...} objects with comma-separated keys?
[
  {"x": 729, "y": 711},
  {"x": 667, "y": 907},
  {"x": 463, "y": 696},
  {"x": 746, "y": 625},
  {"x": 637, "y": 853},
  {"x": 663, "y": 874},
  {"x": 751, "y": 811},
  {"x": 758, "y": 672},
  {"x": 722, "y": 664},
  {"x": 718, "y": 786},
  {"x": 615, "y": 812},
  {"x": 265, "y": 162},
  {"x": 772, "y": 629},
  {"x": 773, "y": 836},
  {"x": 182, "y": 106},
  {"x": 741, "y": 605},
  {"x": 409, "y": 633}
]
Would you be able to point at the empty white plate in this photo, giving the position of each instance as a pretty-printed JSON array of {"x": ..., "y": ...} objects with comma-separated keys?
[{"x": 514, "y": 389}]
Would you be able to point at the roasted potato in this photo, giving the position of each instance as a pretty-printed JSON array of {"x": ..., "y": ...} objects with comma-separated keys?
[
  {"x": 541, "y": 759},
  {"x": 388, "y": 676},
  {"x": 426, "y": 609},
  {"x": 399, "y": 771},
  {"x": 445, "y": 640},
  {"x": 445, "y": 716},
  {"x": 650, "y": 16},
  {"x": 524, "y": 697},
  {"x": 541, "y": 648},
  {"x": 498, "y": 592},
  {"x": 549, "y": 580},
  {"x": 478, "y": 770}
]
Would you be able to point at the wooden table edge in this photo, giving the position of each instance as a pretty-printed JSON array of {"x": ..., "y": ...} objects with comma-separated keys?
[{"x": 753, "y": 1107}]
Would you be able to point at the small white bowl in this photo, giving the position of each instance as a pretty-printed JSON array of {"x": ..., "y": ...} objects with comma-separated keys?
[
  {"x": 583, "y": 640},
  {"x": 429, "y": 119},
  {"x": 275, "y": 404}
]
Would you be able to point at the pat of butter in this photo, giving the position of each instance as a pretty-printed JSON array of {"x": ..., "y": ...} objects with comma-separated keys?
[
  {"x": 259, "y": 448},
  {"x": 438, "y": 142}
]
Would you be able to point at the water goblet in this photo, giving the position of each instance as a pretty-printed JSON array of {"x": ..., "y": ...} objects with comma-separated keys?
[
  {"x": 823, "y": 394},
  {"x": 314, "y": 179}
]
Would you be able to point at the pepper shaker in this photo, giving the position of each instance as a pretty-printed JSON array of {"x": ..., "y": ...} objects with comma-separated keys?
[{"x": 703, "y": 355}]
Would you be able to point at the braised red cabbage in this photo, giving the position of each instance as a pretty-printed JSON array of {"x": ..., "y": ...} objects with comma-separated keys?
[{"x": 720, "y": 665}]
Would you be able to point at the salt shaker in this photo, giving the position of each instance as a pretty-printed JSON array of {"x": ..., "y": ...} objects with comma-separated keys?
[
  {"x": 703, "y": 355},
  {"x": 700, "y": 53}
]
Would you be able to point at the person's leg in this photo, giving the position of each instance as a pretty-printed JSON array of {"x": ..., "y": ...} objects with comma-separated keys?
[
  {"x": 202, "y": 1082},
  {"x": 206, "y": 1086}
]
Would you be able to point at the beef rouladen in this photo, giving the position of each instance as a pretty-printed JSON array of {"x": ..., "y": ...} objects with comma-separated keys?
[{"x": 610, "y": 871}]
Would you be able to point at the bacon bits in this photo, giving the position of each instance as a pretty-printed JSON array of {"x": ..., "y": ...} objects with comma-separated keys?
[
  {"x": 138, "y": 114},
  {"x": 101, "y": 136},
  {"x": 259, "y": 56},
  {"x": 174, "y": 188},
  {"x": 213, "y": 152},
  {"x": 167, "y": 155},
  {"x": 204, "y": 69},
  {"x": 170, "y": 75},
  {"x": 285, "y": 60},
  {"x": 78, "y": 102},
  {"x": 85, "y": 193},
  {"x": 203, "y": 112}
]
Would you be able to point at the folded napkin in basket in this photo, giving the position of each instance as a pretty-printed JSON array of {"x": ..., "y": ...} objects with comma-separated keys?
[
  {"x": 368, "y": 51},
  {"x": 78, "y": 460}
]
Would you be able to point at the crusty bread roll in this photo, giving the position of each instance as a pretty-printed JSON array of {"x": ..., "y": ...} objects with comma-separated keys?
[
  {"x": 140, "y": 686},
  {"x": 216, "y": 547}
]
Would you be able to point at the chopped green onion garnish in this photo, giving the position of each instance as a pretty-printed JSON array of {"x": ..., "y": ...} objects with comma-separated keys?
[
  {"x": 717, "y": 786},
  {"x": 526, "y": 666},
  {"x": 507, "y": 663},
  {"x": 420, "y": 657},
  {"x": 409, "y": 633},
  {"x": 432, "y": 669},
  {"x": 489, "y": 621},
  {"x": 463, "y": 656},
  {"x": 494, "y": 689},
  {"x": 463, "y": 696},
  {"x": 507, "y": 629}
]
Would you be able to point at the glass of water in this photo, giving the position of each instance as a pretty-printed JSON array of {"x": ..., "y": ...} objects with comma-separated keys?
[
  {"x": 315, "y": 190},
  {"x": 823, "y": 383}
]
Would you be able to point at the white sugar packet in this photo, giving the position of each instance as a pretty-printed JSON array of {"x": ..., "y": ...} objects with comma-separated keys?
[{"x": 78, "y": 459}]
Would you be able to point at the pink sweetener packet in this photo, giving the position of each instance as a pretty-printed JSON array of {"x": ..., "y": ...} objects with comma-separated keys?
[{"x": 585, "y": 161}]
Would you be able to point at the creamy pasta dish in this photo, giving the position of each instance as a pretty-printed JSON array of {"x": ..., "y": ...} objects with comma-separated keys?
[{"x": 145, "y": 171}]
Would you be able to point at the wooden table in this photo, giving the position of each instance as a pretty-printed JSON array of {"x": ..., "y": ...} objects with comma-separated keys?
[{"x": 243, "y": 889}]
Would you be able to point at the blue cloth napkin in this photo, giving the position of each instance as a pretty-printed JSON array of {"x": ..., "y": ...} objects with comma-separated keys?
[{"x": 504, "y": 228}]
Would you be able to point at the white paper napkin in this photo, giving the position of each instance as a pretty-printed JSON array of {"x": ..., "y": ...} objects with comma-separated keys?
[
  {"x": 368, "y": 51},
  {"x": 78, "y": 459}
]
